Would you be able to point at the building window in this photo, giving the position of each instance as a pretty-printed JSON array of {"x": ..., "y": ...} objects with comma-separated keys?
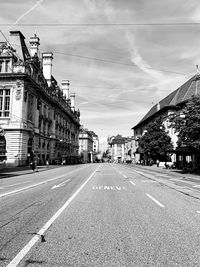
[
  {"x": 7, "y": 65},
  {"x": 4, "y": 65},
  {"x": 1, "y": 65},
  {"x": 30, "y": 107},
  {"x": 4, "y": 102}
]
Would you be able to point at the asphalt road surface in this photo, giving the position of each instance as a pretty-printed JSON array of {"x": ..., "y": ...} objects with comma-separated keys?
[{"x": 100, "y": 215}]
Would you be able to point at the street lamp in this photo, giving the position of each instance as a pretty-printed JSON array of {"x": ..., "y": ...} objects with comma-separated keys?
[{"x": 182, "y": 115}]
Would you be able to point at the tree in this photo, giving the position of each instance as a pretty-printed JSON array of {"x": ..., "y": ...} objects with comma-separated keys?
[
  {"x": 155, "y": 143},
  {"x": 186, "y": 123}
]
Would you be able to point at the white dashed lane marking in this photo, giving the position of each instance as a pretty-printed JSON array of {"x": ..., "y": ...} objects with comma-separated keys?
[{"x": 156, "y": 201}]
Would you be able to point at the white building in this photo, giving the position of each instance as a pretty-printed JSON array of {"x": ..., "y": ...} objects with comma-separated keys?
[
  {"x": 117, "y": 148},
  {"x": 176, "y": 100}
]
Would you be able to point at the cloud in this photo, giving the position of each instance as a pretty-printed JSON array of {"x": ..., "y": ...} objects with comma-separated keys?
[
  {"x": 25, "y": 14},
  {"x": 138, "y": 60}
]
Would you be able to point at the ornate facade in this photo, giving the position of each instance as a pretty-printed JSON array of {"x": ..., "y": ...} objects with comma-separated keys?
[{"x": 38, "y": 117}]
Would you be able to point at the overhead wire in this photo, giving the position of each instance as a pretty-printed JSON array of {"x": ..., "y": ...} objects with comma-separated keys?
[
  {"x": 107, "y": 24},
  {"x": 103, "y": 60},
  {"x": 106, "y": 61},
  {"x": 118, "y": 63}
]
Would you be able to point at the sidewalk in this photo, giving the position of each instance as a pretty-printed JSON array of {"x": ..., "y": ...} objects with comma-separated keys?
[
  {"x": 164, "y": 170},
  {"x": 16, "y": 171}
]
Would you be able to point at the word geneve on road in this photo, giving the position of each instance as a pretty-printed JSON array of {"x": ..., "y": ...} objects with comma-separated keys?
[{"x": 110, "y": 187}]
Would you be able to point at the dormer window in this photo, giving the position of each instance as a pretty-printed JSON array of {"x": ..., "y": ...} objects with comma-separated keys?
[
  {"x": 7, "y": 65},
  {"x": 4, "y": 65}
]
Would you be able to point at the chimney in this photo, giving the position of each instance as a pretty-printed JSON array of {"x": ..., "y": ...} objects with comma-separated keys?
[
  {"x": 34, "y": 42},
  {"x": 47, "y": 66},
  {"x": 65, "y": 88},
  {"x": 72, "y": 97}
]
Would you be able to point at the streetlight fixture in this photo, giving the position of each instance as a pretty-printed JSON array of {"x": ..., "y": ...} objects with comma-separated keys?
[{"x": 182, "y": 115}]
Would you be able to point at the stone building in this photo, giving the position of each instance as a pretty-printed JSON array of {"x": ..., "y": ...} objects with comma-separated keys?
[
  {"x": 85, "y": 146},
  {"x": 38, "y": 116}
]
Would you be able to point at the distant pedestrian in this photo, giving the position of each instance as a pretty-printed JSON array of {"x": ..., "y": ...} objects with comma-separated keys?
[
  {"x": 32, "y": 165},
  {"x": 36, "y": 166},
  {"x": 157, "y": 162},
  {"x": 47, "y": 163}
]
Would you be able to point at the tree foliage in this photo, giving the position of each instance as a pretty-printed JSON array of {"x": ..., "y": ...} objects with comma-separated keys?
[
  {"x": 186, "y": 123},
  {"x": 155, "y": 143}
]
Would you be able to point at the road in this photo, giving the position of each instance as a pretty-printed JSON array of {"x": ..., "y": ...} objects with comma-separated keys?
[{"x": 100, "y": 215}]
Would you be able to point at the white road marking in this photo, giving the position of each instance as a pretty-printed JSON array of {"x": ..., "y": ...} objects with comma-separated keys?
[
  {"x": 132, "y": 183},
  {"x": 32, "y": 242},
  {"x": 34, "y": 185},
  {"x": 30, "y": 186},
  {"x": 120, "y": 188},
  {"x": 125, "y": 176},
  {"x": 148, "y": 181},
  {"x": 156, "y": 201},
  {"x": 108, "y": 187},
  {"x": 197, "y": 185},
  {"x": 61, "y": 184},
  {"x": 198, "y": 211}
]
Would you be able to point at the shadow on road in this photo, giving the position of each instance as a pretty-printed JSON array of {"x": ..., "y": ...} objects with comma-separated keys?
[{"x": 10, "y": 172}]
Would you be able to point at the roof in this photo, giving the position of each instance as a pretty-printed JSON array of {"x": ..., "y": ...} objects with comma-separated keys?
[
  {"x": 85, "y": 131},
  {"x": 17, "y": 40},
  {"x": 118, "y": 140},
  {"x": 180, "y": 95},
  {"x": 93, "y": 134}
]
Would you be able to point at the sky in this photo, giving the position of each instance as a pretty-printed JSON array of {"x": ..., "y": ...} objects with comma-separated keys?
[{"x": 121, "y": 56}]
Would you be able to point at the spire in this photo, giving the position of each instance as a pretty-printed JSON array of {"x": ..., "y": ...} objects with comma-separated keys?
[{"x": 197, "y": 69}]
